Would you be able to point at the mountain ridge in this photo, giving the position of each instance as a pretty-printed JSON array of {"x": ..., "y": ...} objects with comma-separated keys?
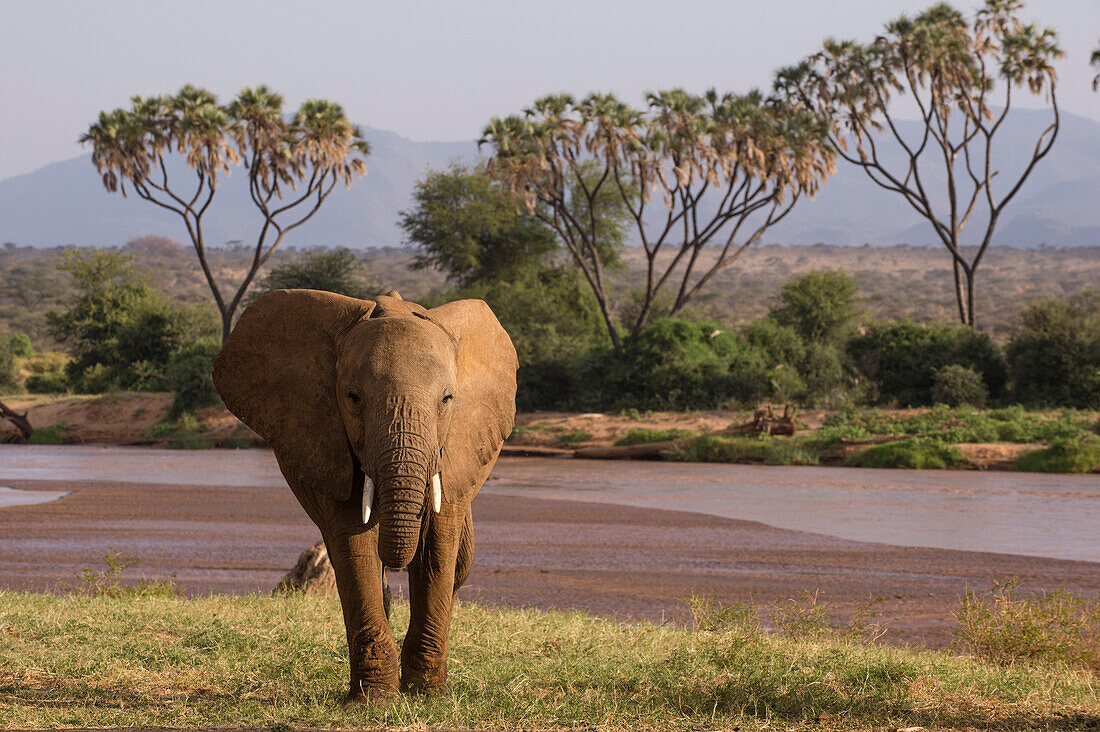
[{"x": 64, "y": 202}]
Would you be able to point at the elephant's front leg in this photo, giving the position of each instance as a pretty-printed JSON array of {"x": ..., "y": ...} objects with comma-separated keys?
[
  {"x": 432, "y": 588},
  {"x": 371, "y": 648}
]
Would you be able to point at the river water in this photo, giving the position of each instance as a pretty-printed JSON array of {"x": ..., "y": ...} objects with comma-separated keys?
[{"x": 1018, "y": 513}]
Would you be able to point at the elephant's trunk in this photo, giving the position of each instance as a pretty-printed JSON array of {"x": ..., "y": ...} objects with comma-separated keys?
[{"x": 402, "y": 479}]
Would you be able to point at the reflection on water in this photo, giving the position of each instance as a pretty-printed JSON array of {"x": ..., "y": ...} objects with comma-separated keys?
[
  {"x": 1020, "y": 513},
  {"x": 14, "y": 497}
]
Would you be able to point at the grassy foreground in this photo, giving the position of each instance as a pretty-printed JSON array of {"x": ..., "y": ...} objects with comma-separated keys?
[{"x": 147, "y": 660}]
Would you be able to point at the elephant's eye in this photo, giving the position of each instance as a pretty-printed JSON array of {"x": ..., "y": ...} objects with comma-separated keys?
[
  {"x": 353, "y": 397},
  {"x": 448, "y": 398}
]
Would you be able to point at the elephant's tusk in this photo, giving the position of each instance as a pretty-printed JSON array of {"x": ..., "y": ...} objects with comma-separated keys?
[
  {"x": 437, "y": 493},
  {"x": 368, "y": 499}
]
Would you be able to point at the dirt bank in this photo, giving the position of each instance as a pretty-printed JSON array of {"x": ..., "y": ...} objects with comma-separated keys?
[{"x": 606, "y": 559}]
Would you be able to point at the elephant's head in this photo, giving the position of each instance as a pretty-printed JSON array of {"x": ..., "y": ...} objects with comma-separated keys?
[{"x": 376, "y": 410}]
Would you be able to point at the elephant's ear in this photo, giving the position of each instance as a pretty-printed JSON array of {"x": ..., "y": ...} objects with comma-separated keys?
[
  {"x": 277, "y": 374},
  {"x": 485, "y": 395}
]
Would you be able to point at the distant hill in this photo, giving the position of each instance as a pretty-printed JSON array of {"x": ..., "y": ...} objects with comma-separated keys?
[{"x": 64, "y": 203}]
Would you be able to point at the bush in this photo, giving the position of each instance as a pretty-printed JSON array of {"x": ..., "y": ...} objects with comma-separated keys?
[
  {"x": 810, "y": 372},
  {"x": 181, "y": 433},
  {"x": 94, "y": 379},
  {"x": 1079, "y": 454},
  {"x": 1054, "y": 356},
  {"x": 956, "y": 385},
  {"x": 1007, "y": 627},
  {"x": 671, "y": 364},
  {"x": 119, "y": 331},
  {"x": 189, "y": 373},
  {"x": 903, "y": 357},
  {"x": 50, "y": 382},
  {"x": 920, "y": 453},
  {"x": 55, "y": 434},
  {"x": 21, "y": 345},
  {"x": 8, "y": 381},
  {"x": 336, "y": 271}
]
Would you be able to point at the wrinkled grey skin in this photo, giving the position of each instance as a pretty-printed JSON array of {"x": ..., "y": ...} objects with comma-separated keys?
[{"x": 350, "y": 392}]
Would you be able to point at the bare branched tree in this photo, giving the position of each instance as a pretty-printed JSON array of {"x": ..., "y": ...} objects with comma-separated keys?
[
  {"x": 954, "y": 71},
  {"x": 292, "y": 164},
  {"x": 711, "y": 161}
]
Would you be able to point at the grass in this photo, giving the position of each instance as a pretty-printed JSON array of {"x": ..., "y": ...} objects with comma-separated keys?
[
  {"x": 1004, "y": 626},
  {"x": 641, "y": 435},
  {"x": 83, "y": 661},
  {"x": 760, "y": 449}
]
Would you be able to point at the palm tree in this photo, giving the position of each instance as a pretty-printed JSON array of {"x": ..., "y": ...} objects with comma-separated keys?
[{"x": 292, "y": 165}]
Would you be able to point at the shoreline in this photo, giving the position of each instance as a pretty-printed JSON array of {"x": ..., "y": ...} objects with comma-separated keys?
[
  {"x": 607, "y": 559},
  {"x": 139, "y": 419}
]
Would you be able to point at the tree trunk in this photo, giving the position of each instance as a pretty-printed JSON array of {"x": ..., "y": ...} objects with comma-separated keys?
[
  {"x": 971, "y": 320},
  {"x": 960, "y": 293},
  {"x": 19, "y": 420},
  {"x": 227, "y": 325}
]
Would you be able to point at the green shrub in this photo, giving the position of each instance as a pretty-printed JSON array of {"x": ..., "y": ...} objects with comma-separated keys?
[
  {"x": 785, "y": 384},
  {"x": 1079, "y": 454},
  {"x": 119, "y": 330},
  {"x": 95, "y": 379},
  {"x": 955, "y": 385},
  {"x": 21, "y": 345},
  {"x": 760, "y": 449},
  {"x": 55, "y": 434},
  {"x": 959, "y": 424},
  {"x": 51, "y": 382},
  {"x": 573, "y": 438},
  {"x": 7, "y": 368},
  {"x": 903, "y": 357},
  {"x": 1054, "y": 356},
  {"x": 920, "y": 453},
  {"x": 811, "y": 372},
  {"x": 45, "y": 362},
  {"x": 819, "y": 305},
  {"x": 1007, "y": 627},
  {"x": 189, "y": 373},
  {"x": 642, "y": 436},
  {"x": 671, "y": 364},
  {"x": 181, "y": 433}
]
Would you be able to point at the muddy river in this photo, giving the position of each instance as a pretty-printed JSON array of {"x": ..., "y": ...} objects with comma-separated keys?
[{"x": 1020, "y": 513}]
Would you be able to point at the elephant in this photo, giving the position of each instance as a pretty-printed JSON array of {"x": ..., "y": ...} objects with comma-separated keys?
[{"x": 385, "y": 418}]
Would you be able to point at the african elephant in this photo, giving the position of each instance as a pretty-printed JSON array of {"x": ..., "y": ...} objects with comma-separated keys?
[{"x": 386, "y": 418}]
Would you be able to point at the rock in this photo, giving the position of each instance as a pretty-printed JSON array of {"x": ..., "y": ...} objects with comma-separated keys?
[{"x": 312, "y": 575}]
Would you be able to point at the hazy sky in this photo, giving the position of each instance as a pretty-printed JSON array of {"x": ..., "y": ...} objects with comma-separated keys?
[{"x": 427, "y": 70}]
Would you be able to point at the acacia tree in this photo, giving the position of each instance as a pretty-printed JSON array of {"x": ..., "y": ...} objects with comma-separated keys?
[
  {"x": 953, "y": 71},
  {"x": 292, "y": 164},
  {"x": 712, "y": 161}
]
